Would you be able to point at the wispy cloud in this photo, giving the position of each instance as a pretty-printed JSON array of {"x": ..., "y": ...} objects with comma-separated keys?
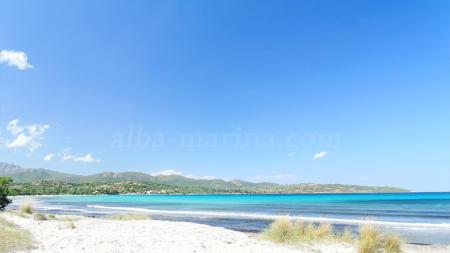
[
  {"x": 291, "y": 154},
  {"x": 16, "y": 59},
  {"x": 320, "y": 155},
  {"x": 48, "y": 157},
  {"x": 179, "y": 173},
  {"x": 87, "y": 158},
  {"x": 167, "y": 173},
  {"x": 25, "y": 136},
  {"x": 204, "y": 177}
]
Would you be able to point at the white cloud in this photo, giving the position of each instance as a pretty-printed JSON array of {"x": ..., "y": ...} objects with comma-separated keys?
[
  {"x": 17, "y": 59},
  {"x": 13, "y": 127},
  {"x": 320, "y": 155},
  {"x": 27, "y": 136},
  {"x": 48, "y": 157},
  {"x": 291, "y": 154},
  {"x": 204, "y": 177},
  {"x": 179, "y": 173},
  {"x": 208, "y": 178},
  {"x": 167, "y": 173},
  {"x": 88, "y": 158},
  {"x": 67, "y": 157}
]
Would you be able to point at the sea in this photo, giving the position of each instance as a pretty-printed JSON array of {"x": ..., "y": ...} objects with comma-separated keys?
[{"x": 419, "y": 218}]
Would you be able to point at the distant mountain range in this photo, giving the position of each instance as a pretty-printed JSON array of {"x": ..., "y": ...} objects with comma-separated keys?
[{"x": 22, "y": 175}]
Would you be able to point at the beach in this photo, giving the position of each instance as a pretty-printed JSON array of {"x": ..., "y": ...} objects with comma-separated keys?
[
  {"x": 84, "y": 234},
  {"x": 419, "y": 218}
]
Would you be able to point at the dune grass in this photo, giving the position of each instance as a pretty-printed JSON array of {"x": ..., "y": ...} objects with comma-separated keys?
[
  {"x": 67, "y": 218},
  {"x": 70, "y": 221},
  {"x": 26, "y": 208},
  {"x": 127, "y": 216},
  {"x": 281, "y": 230},
  {"x": 71, "y": 225},
  {"x": 16, "y": 213},
  {"x": 284, "y": 230},
  {"x": 13, "y": 238},
  {"x": 40, "y": 217},
  {"x": 392, "y": 244},
  {"x": 346, "y": 236},
  {"x": 370, "y": 239}
]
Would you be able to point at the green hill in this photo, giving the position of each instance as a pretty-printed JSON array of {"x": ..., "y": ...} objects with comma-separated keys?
[{"x": 137, "y": 182}]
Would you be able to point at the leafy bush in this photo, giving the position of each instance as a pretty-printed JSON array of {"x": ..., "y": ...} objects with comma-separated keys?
[{"x": 4, "y": 192}]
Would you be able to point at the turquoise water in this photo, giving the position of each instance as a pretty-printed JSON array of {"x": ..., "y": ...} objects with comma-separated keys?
[{"x": 421, "y": 217}]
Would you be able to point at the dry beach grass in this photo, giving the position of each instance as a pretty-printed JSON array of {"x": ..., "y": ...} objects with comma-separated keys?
[
  {"x": 13, "y": 238},
  {"x": 370, "y": 240}
]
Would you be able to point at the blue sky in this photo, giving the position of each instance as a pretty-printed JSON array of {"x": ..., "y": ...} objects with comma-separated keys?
[{"x": 102, "y": 78}]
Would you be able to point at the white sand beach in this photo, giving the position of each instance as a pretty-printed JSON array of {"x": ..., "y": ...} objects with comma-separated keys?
[{"x": 102, "y": 235}]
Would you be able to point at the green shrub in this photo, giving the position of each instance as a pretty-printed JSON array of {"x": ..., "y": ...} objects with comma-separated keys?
[
  {"x": 4, "y": 192},
  {"x": 51, "y": 216}
]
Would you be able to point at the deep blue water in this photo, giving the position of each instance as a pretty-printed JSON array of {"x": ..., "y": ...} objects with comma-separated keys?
[{"x": 420, "y": 217}]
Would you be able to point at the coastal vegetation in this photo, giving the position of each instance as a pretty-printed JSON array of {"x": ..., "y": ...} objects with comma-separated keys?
[
  {"x": 131, "y": 187},
  {"x": 369, "y": 240},
  {"x": 40, "y": 217},
  {"x": 4, "y": 191},
  {"x": 26, "y": 208},
  {"x": 283, "y": 230},
  {"x": 13, "y": 238},
  {"x": 393, "y": 244},
  {"x": 48, "y": 182}
]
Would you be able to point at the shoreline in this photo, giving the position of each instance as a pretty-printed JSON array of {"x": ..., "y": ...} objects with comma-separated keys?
[
  {"x": 236, "y": 216},
  {"x": 233, "y": 194},
  {"x": 253, "y": 216},
  {"x": 445, "y": 226}
]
